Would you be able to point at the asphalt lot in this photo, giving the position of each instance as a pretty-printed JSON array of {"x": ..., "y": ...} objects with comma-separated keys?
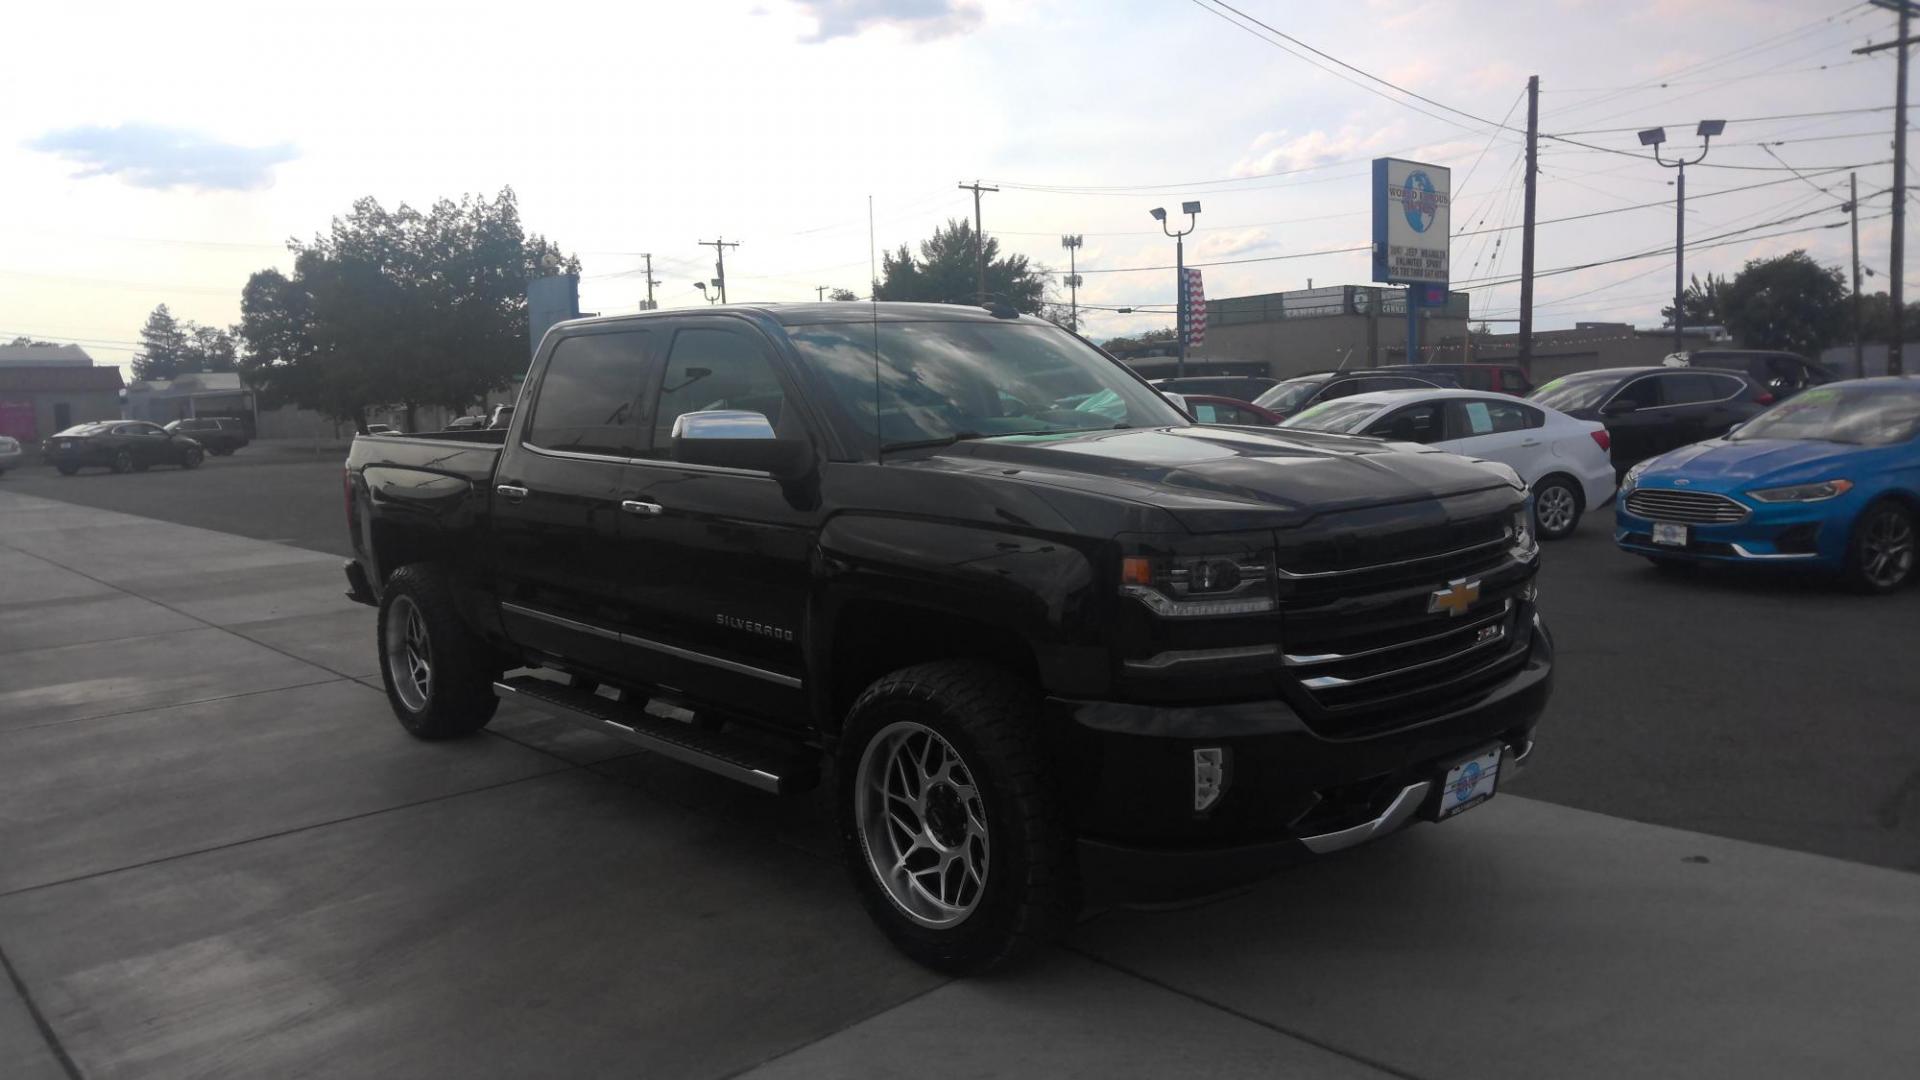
[{"x": 1776, "y": 710}]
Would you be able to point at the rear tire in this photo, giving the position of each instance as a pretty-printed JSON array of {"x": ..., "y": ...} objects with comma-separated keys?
[
  {"x": 1883, "y": 549},
  {"x": 1556, "y": 508},
  {"x": 438, "y": 673},
  {"x": 122, "y": 462},
  {"x": 192, "y": 458},
  {"x": 950, "y": 818}
]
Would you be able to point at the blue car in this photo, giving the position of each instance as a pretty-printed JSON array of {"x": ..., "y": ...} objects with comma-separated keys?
[{"x": 1829, "y": 480}]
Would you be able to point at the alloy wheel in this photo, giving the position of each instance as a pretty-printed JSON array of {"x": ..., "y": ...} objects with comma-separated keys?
[
  {"x": 1555, "y": 509},
  {"x": 1888, "y": 549},
  {"x": 923, "y": 824},
  {"x": 409, "y": 653}
]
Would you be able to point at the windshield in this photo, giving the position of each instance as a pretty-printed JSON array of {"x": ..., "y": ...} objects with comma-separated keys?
[
  {"x": 1863, "y": 414},
  {"x": 1289, "y": 395},
  {"x": 1572, "y": 393},
  {"x": 83, "y": 429},
  {"x": 1342, "y": 414},
  {"x": 941, "y": 381}
]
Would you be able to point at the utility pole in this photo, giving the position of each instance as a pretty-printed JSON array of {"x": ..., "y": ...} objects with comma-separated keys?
[
  {"x": 720, "y": 246},
  {"x": 1072, "y": 244},
  {"x": 650, "y": 305},
  {"x": 819, "y": 292},
  {"x": 1897, "y": 257},
  {"x": 1853, "y": 210},
  {"x": 979, "y": 242},
  {"x": 1526, "y": 228},
  {"x": 1654, "y": 137}
]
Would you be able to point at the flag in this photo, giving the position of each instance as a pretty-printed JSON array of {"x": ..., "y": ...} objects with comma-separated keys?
[{"x": 1194, "y": 299}]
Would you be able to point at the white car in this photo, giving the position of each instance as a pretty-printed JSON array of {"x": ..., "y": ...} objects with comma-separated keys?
[
  {"x": 1564, "y": 460},
  {"x": 10, "y": 452}
]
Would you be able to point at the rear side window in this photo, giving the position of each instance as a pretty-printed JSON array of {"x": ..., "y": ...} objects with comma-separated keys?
[
  {"x": 1415, "y": 423},
  {"x": 1693, "y": 387},
  {"x": 1495, "y": 417},
  {"x": 1392, "y": 382},
  {"x": 590, "y": 394},
  {"x": 1513, "y": 382},
  {"x": 716, "y": 368}
]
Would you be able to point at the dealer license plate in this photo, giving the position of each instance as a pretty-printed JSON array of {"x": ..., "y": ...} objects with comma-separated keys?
[
  {"x": 1470, "y": 783},
  {"x": 1669, "y": 534}
]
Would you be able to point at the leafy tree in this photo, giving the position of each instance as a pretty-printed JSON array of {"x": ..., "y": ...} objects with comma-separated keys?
[
  {"x": 397, "y": 307},
  {"x": 1151, "y": 337},
  {"x": 1705, "y": 302},
  {"x": 210, "y": 348},
  {"x": 1787, "y": 302},
  {"x": 945, "y": 273},
  {"x": 1876, "y": 318},
  {"x": 163, "y": 345},
  {"x": 841, "y": 294},
  {"x": 25, "y": 340}
]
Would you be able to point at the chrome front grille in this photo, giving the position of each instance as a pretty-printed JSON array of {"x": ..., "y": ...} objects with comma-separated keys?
[{"x": 1689, "y": 507}]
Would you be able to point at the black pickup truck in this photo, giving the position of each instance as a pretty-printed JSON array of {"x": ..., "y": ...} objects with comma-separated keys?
[{"x": 1045, "y": 635}]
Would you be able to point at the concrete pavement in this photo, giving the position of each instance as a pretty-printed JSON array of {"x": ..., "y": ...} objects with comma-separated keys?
[{"x": 219, "y": 856}]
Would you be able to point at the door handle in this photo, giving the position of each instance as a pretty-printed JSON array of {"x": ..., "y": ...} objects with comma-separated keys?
[
  {"x": 645, "y": 509},
  {"x": 511, "y": 492},
  {"x": 1530, "y": 442}
]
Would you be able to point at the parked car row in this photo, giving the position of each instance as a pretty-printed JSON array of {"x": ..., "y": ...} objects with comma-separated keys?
[{"x": 122, "y": 446}]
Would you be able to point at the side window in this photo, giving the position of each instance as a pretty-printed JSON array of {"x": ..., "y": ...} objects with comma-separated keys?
[
  {"x": 1338, "y": 388},
  {"x": 1415, "y": 423},
  {"x": 1393, "y": 382},
  {"x": 1205, "y": 414},
  {"x": 1503, "y": 416},
  {"x": 589, "y": 395},
  {"x": 1688, "y": 388},
  {"x": 717, "y": 368},
  {"x": 1229, "y": 415},
  {"x": 1644, "y": 392},
  {"x": 1513, "y": 382}
]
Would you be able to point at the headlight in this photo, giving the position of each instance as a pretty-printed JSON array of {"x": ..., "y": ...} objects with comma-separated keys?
[
  {"x": 1632, "y": 479},
  {"x": 1804, "y": 493},
  {"x": 1525, "y": 544},
  {"x": 1188, "y": 586}
]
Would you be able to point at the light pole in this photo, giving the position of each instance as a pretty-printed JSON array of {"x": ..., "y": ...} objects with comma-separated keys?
[
  {"x": 1192, "y": 210},
  {"x": 1654, "y": 137},
  {"x": 710, "y": 297},
  {"x": 1072, "y": 244}
]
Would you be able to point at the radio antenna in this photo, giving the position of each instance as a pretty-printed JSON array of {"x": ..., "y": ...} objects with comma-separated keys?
[{"x": 873, "y": 306}]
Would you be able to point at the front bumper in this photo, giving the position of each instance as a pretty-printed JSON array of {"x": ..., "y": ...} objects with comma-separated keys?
[
  {"x": 1290, "y": 794},
  {"x": 1780, "y": 535}
]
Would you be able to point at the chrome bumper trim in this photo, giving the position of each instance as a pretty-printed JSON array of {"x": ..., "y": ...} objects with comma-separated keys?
[
  {"x": 1404, "y": 806},
  {"x": 1745, "y": 554}
]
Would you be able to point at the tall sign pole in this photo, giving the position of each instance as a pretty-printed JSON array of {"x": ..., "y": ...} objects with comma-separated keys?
[
  {"x": 1072, "y": 243},
  {"x": 1898, "y": 257},
  {"x": 1411, "y": 230},
  {"x": 1853, "y": 211},
  {"x": 1526, "y": 228}
]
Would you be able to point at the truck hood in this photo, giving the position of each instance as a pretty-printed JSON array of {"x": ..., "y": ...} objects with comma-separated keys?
[
  {"x": 1728, "y": 464},
  {"x": 1215, "y": 479}
]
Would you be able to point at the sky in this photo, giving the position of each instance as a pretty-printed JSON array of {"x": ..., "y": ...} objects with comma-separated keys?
[{"x": 180, "y": 149}]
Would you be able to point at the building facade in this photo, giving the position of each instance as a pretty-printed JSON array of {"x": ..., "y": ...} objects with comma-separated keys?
[
  {"x": 1288, "y": 333},
  {"x": 36, "y": 402}
]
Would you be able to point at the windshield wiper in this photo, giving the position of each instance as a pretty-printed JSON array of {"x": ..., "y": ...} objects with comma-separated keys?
[{"x": 923, "y": 444}]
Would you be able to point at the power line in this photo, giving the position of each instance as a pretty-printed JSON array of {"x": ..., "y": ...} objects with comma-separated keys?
[
  {"x": 1235, "y": 262},
  {"x": 1742, "y": 120}
]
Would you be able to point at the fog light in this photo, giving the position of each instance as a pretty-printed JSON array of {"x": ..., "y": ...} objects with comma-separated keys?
[{"x": 1209, "y": 776}]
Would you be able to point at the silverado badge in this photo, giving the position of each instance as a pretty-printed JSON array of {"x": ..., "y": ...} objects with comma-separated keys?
[{"x": 1455, "y": 599}]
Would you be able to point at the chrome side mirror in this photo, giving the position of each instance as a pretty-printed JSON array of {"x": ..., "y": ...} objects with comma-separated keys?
[{"x": 738, "y": 439}]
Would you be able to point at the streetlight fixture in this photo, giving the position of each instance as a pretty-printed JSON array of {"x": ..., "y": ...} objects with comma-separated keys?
[
  {"x": 714, "y": 296},
  {"x": 1192, "y": 210},
  {"x": 1654, "y": 137}
]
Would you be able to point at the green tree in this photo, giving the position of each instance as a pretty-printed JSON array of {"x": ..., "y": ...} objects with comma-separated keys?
[
  {"x": 1787, "y": 302},
  {"x": 842, "y": 294},
  {"x": 944, "y": 272},
  {"x": 25, "y": 340},
  {"x": 1876, "y": 318},
  {"x": 163, "y": 345},
  {"x": 1705, "y": 302},
  {"x": 397, "y": 307},
  {"x": 1116, "y": 345}
]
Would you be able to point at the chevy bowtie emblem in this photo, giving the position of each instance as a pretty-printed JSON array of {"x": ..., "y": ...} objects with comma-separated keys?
[{"x": 1455, "y": 599}]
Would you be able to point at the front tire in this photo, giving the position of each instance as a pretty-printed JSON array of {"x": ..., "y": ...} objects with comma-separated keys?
[
  {"x": 951, "y": 823},
  {"x": 1556, "y": 508},
  {"x": 67, "y": 470},
  {"x": 437, "y": 673},
  {"x": 1883, "y": 549},
  {"x": 192, "y": 458},
  {"x": 122, "y": 462}
]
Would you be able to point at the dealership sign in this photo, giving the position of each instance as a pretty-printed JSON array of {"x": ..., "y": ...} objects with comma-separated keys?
[{"x": 1410, "y": 222}]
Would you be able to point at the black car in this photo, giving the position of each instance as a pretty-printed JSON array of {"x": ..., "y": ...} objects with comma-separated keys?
[
  {"x": 1049, "y": 632},
  {"x": 120, "y": 445},
  {"x": 218, "y": 434},
  {"x": 1237, "y": 387},
  {"x": 1499, "y": 378},
  {"x": 1305, "y": 391},
  {"x": 1651, "y": 410},
  {"x": 1783, "y": 373}
]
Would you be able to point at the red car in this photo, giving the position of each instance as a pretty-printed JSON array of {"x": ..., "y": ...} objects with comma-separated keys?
[{"x": 1209, "y": 409}]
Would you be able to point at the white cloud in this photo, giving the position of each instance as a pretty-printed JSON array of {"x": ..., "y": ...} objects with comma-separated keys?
[
  {"x": 1276, "y": 152},
  {"x": 150, "y": 156},
  {"x": 924, "y": 20}
]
